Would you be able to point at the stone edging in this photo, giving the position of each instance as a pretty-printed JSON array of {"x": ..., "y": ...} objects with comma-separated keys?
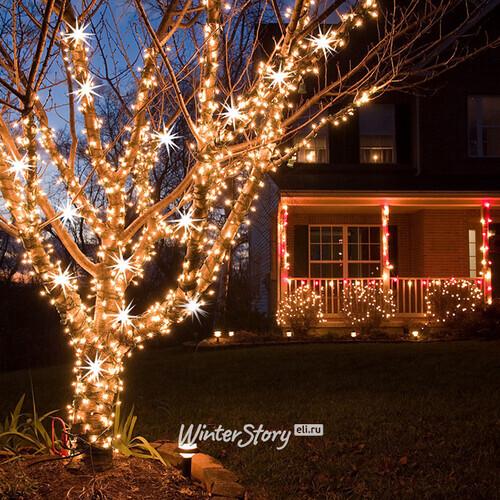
[{"x": 219, "y": 482}]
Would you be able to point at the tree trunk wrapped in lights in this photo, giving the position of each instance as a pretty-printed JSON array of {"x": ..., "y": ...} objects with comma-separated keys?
[{"x": 237, "y": 120}]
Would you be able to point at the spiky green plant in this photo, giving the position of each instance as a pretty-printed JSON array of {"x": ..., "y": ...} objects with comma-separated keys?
[
  {"x": 25, "y": 430},
  {"x": 128, "y": 444}
]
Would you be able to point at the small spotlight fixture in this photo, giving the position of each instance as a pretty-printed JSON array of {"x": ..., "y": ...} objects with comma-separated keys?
[
  {"x": 187, "y": 451},
  {"x": 231, "y": 333},
  {"x": 217, "y": 334},
  {"x": 353, "y": 334},
  {"x": 289, "y": 333},
  {"x": 415, "y": 333}
]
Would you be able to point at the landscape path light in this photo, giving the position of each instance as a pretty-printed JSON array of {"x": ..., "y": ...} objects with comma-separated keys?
[{"x": 187, "y": 451}]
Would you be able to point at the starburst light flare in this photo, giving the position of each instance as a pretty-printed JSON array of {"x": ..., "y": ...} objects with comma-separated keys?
[
  {"x": 69, "y": 214},
  {"x": 122, "y": 265},
  {"x": 77, "y": 34},
  {"x": 278, "y": 77},
  {"x": 185, "y": 222},
  {"x": 324, "y": 42},
  {"x": 20, "y": 167},
  {"x": 123, "y": 318},
  {"x": 167, "y": 138},
  {"x": 193, "y": 306},
  {"x": 64, "y": 279},
  {"x": 232, "y": 113},
  {"x": 94, "y": 368},
  {"x": 86, "y": 89}
]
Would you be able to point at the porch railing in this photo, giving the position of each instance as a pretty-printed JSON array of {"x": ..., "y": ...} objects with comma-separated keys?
[{"x": 408, "y": 293}]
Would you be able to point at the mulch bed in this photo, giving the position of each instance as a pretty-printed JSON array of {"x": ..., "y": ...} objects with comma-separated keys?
[{"x": 43, "y": 478}]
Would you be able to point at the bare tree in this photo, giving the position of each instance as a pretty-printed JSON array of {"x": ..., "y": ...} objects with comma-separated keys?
[{"x": 205, "y": 73}]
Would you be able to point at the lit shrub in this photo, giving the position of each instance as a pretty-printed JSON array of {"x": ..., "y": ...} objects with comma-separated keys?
[
  {"x": 366, "y": 305},
  {"x": 301, "y": 311},
  {"x": 451, "y": 300}
]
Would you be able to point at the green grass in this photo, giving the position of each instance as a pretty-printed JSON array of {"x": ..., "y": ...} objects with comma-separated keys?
[{"x": 419, "y": 420}]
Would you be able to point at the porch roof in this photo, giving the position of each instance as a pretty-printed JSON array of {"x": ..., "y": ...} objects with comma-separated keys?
[{"x": 364, "y": 200}]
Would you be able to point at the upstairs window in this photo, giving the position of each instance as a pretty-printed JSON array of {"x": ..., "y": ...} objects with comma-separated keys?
[
  {"x": 484, "y": 126},
  {"x": 376, "y": 134},
  {"x": 316, "y": 149}
]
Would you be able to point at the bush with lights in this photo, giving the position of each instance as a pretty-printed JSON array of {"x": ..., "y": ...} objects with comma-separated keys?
[
  {"x": 448, "y": 301},
  {"x": 301, "y": 311},
  {"x": 366, "y": 305}
]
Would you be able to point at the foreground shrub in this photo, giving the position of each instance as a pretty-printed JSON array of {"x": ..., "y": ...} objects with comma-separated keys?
[
  {"x": 366, "y": 305},
  {"x": 452, "y": 300},
  {"x": 301, "y": 311}
]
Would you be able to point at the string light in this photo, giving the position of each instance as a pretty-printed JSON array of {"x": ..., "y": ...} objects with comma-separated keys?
[
  {"x": 102, "y": 330},
  {"x": 86, "y": 89},
  {"x": 76, "y": 34},
  {"x": 69, "y": 214},
  {"x": 167, "y": 138},
  {"x": 301, "y": 310},
  {"x": 449, "y": 299},
  {"x": 20, "y": 167},
  {"x": 324, "y": 41},
  {"x": 94, "y": 368},
  {"x": 366, "y": 304}
]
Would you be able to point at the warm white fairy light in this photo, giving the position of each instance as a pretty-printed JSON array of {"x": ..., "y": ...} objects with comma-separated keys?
[
  {"x": 366, "y": 304},
  {"x": 63, "y": 279},
  {"x": 194, "y": 306},
  {"x": 167, "y": 138},
  {"x": 278, "y": 77},
  {"x": 102, "y": 321},
  {"x": 93, "y": 368},
  {"x": 447, "y": 300},
  {"x": 324, "y": 41},
  {"x": 233, "y": 113},
  {"x": 301, "y": 310},
  {"x": 77, "y": 34},
  {"x": 123, "y": 266},
  {"x": 123, "y": 318},
  {"x": 86, "y": 89},
  {"x": 20, "y": 167},
  {"x": 69, "y": 214}
]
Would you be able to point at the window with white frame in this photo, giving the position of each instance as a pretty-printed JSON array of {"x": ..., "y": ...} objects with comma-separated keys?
[
  {"x": 345, "y": 251},
  {"x": 484, "y": 126},
  {"x": 377, "y": 134}
]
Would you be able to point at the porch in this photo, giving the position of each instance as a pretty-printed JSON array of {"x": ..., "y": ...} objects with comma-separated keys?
[
  {"x": 408, "y": 294},
  {"x": 409, "y": 245}
]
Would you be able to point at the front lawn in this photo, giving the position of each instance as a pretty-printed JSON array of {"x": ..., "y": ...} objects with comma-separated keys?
[{"x": 419, "y": 420}]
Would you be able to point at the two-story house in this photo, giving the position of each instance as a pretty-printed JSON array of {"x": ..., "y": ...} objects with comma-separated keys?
[{"x": 406, "y": 193}]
